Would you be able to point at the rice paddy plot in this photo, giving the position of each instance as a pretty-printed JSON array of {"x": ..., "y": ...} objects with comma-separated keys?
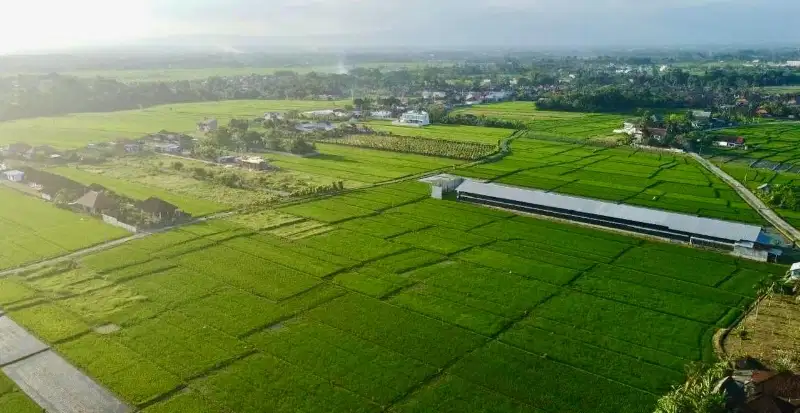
[
  {"x": 660, "y": 181},
  {"x": 420, "y": 305},
  {"x": 34, "y": 230},
  {"x": 775, "y": 142},
  {"x": 575, "y": 125},
  {"x": 457, "y": 133}
]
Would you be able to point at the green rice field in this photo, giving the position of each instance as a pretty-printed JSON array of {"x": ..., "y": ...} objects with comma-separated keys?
[
  {"x": 655, "y": 180},
  {"x": 755, "y": 177},
  {"x": 12, "y": 399},
  {"x": 551, "y": 123},
  {"x": 77, "y": 130},
  {"x": 384, "y": 300},
  {"x": 33, "y": 230},
  {"x": 772, "y": 142},
  {"x": 463, "y": 133}
]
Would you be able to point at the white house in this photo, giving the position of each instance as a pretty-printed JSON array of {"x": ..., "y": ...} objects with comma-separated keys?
[
  {"x": 14, "y": 176},
  {"x": 414, "y": 118},
  {"x": 381, "y": 114}
]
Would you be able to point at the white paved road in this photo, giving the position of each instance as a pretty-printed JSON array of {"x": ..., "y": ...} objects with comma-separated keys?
[{"x": 755, "y": 202}]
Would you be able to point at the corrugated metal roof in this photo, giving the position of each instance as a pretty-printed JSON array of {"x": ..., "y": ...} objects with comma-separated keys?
[{"x": 715, "y": 228}]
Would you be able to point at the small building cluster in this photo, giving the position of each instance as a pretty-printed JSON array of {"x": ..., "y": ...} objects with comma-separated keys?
[
  {"x": 96, "y": 200},
  {"x": 751, "y": 388}
]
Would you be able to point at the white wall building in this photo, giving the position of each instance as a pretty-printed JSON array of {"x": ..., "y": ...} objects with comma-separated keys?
[
  {"x": 415, "y": 118},
  {"x": 14, "y": 176}
]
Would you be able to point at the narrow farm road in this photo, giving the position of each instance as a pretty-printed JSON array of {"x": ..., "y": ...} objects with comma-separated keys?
[
  {"x": 784, "y": 227},
  {"x": 108, "y": 245}
]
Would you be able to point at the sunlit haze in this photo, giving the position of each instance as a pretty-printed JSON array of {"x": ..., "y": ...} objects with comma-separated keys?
[{"x": 43, "y": 25}]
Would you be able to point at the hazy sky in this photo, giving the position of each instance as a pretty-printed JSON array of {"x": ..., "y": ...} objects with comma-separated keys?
[{"x": 54, "y": 24}]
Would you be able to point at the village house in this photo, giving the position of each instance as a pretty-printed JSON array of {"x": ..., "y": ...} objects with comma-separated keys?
[
  {"x": 208, "y": 125},
  {"x": 158, "y": 208},
  {"x": 14, "y": 175},
  {"x": 730, "y": 142},
  {"x": 380, "y": 114},
  {"x": 414, "y": 118},
  {"x": 320, "y": 113},
  {"x": 94, "y": 202}
]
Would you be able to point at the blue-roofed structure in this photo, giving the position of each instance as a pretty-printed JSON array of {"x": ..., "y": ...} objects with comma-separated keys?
[{"x": 671, "y": 225}]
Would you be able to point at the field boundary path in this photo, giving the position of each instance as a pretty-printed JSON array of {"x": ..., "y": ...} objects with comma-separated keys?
[
  {"x": 53, "y": 383},
  {"x": 749, "y": 197}
]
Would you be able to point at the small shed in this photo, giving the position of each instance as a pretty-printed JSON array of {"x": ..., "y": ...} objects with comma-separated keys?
[
  {"x": 442, "y": 184},
  {"x": 14, "y": 175},
  {"x": 765, "y": 188}
]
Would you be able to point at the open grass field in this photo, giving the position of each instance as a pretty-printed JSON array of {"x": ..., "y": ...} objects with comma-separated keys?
[
  {"x": 404, "y": 304},
  {"x": 32, "y": 229},
  {"x": 72, "y": 131},
  {"x": 551, "y": 123},
  {"x": 662, "y": 181},
  {"x": 359, "y": 166},
  {"x": 771, "y": 143},
  {"x": 463, "y": 133}
]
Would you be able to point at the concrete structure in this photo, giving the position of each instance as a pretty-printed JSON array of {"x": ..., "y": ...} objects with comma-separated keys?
[
  {"x": 14, "y": 176},
  {"x": 208, "y": 125},
  {"x": 414, "y": 118},
  {"x": 442, "y": 184}
]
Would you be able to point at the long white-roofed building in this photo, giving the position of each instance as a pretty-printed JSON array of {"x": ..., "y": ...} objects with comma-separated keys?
[{"x": 741, "y": 239}]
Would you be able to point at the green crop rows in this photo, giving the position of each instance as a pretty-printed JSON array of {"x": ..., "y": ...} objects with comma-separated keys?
[
  {"x": 570, "y": 125},
  {"x": 401, "y": 304},
  {"x": 661, "y": 181},
  {"x": 33, "y": 230},
  {"x": 422, "y": 146}
]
